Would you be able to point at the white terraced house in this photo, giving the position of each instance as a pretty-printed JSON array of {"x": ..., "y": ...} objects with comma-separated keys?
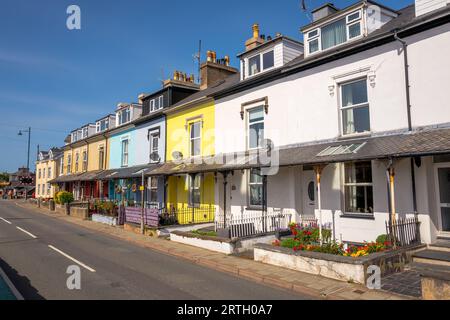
[{"x": 360, "y": 115}]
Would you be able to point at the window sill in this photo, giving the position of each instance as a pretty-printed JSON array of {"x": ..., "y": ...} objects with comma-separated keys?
[{"x": 357, "y": 216}]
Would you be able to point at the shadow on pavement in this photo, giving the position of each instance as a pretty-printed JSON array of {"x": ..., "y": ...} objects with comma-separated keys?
[{"x": 21, "y": 283}]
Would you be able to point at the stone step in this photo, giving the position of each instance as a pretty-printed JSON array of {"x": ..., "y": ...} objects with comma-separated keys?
[
  {"x": 433, "y": 257},
  {"x": 440, "y": 245},
  {"x": 426, "y": 267}
]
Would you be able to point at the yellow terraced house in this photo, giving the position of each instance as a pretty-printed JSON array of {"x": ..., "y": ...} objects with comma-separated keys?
[
  {"x": 47, "y": 168},
  {"x": 85, "y": 155},
  {"x": 191, "y": 136}
]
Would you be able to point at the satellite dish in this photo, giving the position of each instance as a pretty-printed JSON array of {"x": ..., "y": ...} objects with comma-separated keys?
[
  {"x": 154, "y": 157},
  {"x": 177, "y": 155}
]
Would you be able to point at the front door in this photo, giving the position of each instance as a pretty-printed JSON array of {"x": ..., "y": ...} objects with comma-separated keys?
[
  {"x": 309, "y": 193},
  {"x": 443, "y": 177}
]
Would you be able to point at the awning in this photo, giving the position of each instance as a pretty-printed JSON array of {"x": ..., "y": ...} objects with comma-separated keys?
[
  {"x": 128, "y": 172},
  {"x": 398, "y": 145},
  {"x": 66, "y": 178}
]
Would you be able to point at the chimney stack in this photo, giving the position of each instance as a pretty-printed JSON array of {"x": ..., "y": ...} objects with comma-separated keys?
[
  {"x": 323, "y": 11},
  {"x": 256, "y": 40},
  {"x": 214, "y": 70}
]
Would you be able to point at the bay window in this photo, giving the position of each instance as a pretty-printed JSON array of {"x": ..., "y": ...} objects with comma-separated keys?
[
  {"x": 358, "y": 187},
  {"x": 355, "y": 107},
  {"x": 124, "y": 116}
]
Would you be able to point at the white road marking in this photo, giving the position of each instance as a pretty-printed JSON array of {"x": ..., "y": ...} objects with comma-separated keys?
[
  {"x": 73, "y": 259},
  {"x": 28, "y": 233},
  {"x": 8, "y": 222}
]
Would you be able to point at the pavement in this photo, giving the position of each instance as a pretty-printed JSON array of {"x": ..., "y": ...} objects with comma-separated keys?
[{"x": 115, "y": 252}]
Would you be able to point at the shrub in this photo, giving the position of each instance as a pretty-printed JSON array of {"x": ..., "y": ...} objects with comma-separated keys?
[
  {"x": 65, "y": 197},
  {"x": 382, "y": 238}
]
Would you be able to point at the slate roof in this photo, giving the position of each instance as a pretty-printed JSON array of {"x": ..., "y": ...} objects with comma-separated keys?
[
  {"x": 218, "y": 86},
  {"x": 405, "y": 21},
  {"x": 422, "y": 142}
]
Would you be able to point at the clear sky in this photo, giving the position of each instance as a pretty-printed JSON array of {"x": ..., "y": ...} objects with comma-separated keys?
[{"x": 56, "y": 80}]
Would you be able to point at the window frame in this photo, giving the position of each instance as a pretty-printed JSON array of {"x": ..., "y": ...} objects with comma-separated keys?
[
  {"x": 348, "y": 24},
  {"x": 192, "y": 188},
  {"x": 152, "y": 190},
  {"x": 357, "y": 184},
  {"x": 49, "y": 172},
  {"x": 356, "y": 106},
  {"x": 257, "y": 122},
  {"x": 77, "y": 161},
  {"x": 249, "y": 188},
  {"x": 85, "y": 161},
  {"x": 121, "y": 112},
  {"x": 101, "y": 157},
  {"x": 124, "y": 155},
  {"x": 69, "y": 163},
  {"x": 154, "y": 134},
  {"x": 261, "y": 62},
  {"x": 191, "y": 140}
]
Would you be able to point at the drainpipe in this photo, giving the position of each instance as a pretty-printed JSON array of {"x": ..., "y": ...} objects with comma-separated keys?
[
  {"x": 408, "y": 108},
  {"x": 225, "y": 183}
]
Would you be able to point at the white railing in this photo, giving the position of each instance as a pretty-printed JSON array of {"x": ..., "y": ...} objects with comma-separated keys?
[{"x": 253, "y": 222}]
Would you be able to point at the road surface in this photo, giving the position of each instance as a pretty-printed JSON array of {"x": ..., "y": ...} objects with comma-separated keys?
[{"x": 36, "y": 250}]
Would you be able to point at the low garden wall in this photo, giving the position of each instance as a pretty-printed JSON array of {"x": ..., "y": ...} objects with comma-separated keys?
[
  {"x": 218, "y": 244},
  {"x": 100, "y": 218},
  {"x": 342, "y": 268},
  {"x": 80, "y": 213}
]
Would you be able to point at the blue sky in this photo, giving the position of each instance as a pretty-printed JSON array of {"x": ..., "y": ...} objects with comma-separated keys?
[{"x": 56, "y": 80}]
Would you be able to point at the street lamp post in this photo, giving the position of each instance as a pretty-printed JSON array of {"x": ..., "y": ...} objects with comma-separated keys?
[{"x": 21, "y": 132}]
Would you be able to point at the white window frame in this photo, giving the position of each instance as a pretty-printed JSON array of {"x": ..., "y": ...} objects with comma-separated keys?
[
  {"x": 154, "y": 134},
  {"x": 357, "y": 184},
  {"x": 77, "y": 161},
  {"x": 250, "y": 184},
  {"x": 120, "y": 116},
  {"x": 85, "y": 132},
  {"x": 85, "y": 160},
  {"x": 248, "y": 125},
  {"x": 152, "y": 105},
  {"x": 348, "y": 24},
  {"x": 359, "y": 105},
  {"x": 261, "y": 62},
  {"x": 314, "y": 38},
  {"x": 125, "y": 155},
  {"x": 69, "y": 163},
  {"x": 48, "y": 188},
  {"x": 49, "y": 172},
  {"x": 61, "y": 166},
  {"x": 191, "y": 124},
  {"x": 40, "y": 173}
]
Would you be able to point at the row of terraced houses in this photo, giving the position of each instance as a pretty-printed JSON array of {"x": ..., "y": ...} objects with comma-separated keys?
[{"x": 350, "y": 127}]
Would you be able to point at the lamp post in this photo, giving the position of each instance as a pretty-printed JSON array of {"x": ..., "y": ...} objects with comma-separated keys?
[{"x": 21, "y": 132}]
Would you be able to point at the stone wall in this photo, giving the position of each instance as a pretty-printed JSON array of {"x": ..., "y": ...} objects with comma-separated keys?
[{"x": 80, "y": 213}]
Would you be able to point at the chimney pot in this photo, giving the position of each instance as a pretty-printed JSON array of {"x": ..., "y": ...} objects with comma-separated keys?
[{"x": 255, "y": 31}]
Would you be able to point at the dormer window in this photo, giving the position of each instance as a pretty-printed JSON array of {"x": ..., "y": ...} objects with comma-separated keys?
[
  {"x": 102, "y": 125},
  {"x": 261, "y": 62},
  {"x": 156, "y": 103},
  {"x": 124, "y": 116},
  {"x": 85, "y": 132},
  {"x": 333, "y": 34}
]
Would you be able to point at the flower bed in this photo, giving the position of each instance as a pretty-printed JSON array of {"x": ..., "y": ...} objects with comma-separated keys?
[{"x": 307, "y": 239}]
